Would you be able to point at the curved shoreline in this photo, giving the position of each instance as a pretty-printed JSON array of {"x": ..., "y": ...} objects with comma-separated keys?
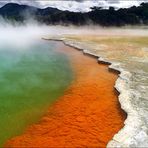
[
  {"x": 113, "y": 142},
  {"x": 130, "y": 135},
  {"x": 120, "y": 84},
  {"x": 87, "y": 124}
]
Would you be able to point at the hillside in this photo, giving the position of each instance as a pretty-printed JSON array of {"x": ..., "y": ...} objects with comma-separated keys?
[{"x": 98, "y": 16}]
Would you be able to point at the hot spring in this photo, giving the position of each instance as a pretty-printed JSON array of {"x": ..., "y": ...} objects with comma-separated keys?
[{"x": 34, "y": 73}]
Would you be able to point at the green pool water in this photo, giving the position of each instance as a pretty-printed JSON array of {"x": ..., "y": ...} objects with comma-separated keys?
[{"x": 31, "y": 78}]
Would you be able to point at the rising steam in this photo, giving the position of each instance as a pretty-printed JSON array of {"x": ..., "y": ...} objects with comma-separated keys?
[{"x": 12, "y": 33}]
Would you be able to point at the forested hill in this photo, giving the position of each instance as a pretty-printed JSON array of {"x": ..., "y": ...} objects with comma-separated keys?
[{"x": 98, "y": 16}]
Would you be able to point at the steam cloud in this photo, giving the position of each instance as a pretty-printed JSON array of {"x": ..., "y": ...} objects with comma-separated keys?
[{"x": 24, "y": 34}]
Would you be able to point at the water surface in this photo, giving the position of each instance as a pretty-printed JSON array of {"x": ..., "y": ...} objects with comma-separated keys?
[{"x": 87, "y": 115}]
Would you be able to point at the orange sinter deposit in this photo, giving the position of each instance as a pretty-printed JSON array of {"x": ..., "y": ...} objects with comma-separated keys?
[{"x": 87, "y": 115}]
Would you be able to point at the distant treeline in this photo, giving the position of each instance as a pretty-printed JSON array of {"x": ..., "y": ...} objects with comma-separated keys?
[{"x": 98, "y": 16}]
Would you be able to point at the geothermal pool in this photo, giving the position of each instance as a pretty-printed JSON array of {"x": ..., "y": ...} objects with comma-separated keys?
[
  {"x": 31, "y": 78},
  {"x": 87, "y": 110},
  {"x": 88, "y": 114}
]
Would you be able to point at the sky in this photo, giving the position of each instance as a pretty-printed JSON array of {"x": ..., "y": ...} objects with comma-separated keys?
[{"x": 76, "y": 5}]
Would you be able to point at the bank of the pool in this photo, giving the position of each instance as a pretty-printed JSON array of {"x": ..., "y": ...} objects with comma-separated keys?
[
  {"x": 74, "y": 119},
  {"x": 121, "y": 85}
]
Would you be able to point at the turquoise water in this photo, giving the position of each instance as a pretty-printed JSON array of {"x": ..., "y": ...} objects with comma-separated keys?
[{"x": 31, "y": 78}]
